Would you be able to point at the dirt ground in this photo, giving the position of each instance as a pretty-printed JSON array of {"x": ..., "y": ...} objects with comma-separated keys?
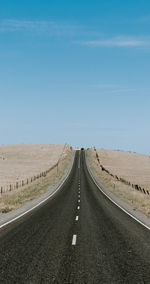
[{"x": 21, "y": 162}]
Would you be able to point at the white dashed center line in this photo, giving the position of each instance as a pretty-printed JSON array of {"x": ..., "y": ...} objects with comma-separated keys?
[
  {"x": 74, "y": 240},
  {"x": 79, "y": 163},
  {"x": 77, "y": 218},
  {"x": 79, "y": 200},
  {"x": 78, "y": 207}
]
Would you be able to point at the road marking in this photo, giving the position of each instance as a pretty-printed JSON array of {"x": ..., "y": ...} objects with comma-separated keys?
[
  {"x": 79, "y": 161},
  {"x": 79, "y": 195},
  {"x": 74, "y": 240},
  {"x": 37, "y": 205},
  {"x": 77, "y": 218},
  {"x": 79, "y": 200},
  {"x": 140, "y": 222},
  {"x": 78, "y": 207}
]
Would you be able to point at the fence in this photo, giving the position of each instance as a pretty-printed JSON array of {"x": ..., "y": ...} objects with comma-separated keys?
[
  {"x": 135, "y": 186},
  {"x": 27, "y": 181},
  {"x": 30, "y": 180}
]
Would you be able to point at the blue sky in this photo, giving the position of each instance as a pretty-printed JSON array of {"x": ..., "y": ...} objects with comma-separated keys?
[{"x": 75, "y": 72}]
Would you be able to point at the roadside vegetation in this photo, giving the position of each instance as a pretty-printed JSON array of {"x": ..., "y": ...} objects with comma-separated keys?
[
  {"x": 135, "y": 198},
  {"x": 15, "y": 199}
]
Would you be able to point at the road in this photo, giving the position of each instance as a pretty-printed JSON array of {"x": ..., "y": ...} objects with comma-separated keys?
[{"x": 78, "y": 236}]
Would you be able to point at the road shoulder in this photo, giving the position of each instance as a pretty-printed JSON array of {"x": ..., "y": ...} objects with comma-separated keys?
[
  {"x": 6, "y": 218},
  {"x": 136, "y": 214}
]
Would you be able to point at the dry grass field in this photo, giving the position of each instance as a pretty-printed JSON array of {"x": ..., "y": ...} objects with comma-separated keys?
[
  {"x": 132, "y": 167},
  {"x": 19, "y": 162}
]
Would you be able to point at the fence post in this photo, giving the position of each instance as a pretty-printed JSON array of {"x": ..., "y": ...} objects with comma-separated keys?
[{"x": 114, "y": 185}]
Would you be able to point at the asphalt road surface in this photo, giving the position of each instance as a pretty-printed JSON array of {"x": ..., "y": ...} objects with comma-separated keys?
[{"x": 78, "y": 236}]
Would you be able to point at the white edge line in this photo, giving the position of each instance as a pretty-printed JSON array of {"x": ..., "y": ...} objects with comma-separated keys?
[
  {"x": 37, "y": 205},
  {"x": 140, "y": 222},
  {"x": 74, "y": 239}
]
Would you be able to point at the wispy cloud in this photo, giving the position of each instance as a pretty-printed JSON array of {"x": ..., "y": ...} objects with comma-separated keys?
[
  {"x": 144, "y": 19},
  {"x": 118, "y": 42},
  {"x": 105, "y": 86},
  {"x": 102, "y": 88},
  {"x": 59, "y": 29},
  {"x": 113, "y": 88},
  {"x": 50, "y": 27},
  {"x": 123, "y": 90}
]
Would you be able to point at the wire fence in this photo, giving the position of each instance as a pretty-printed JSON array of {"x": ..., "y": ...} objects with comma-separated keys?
[
  {"x": 28, "y": 181},
  {"x": 135, "y": 186}
]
